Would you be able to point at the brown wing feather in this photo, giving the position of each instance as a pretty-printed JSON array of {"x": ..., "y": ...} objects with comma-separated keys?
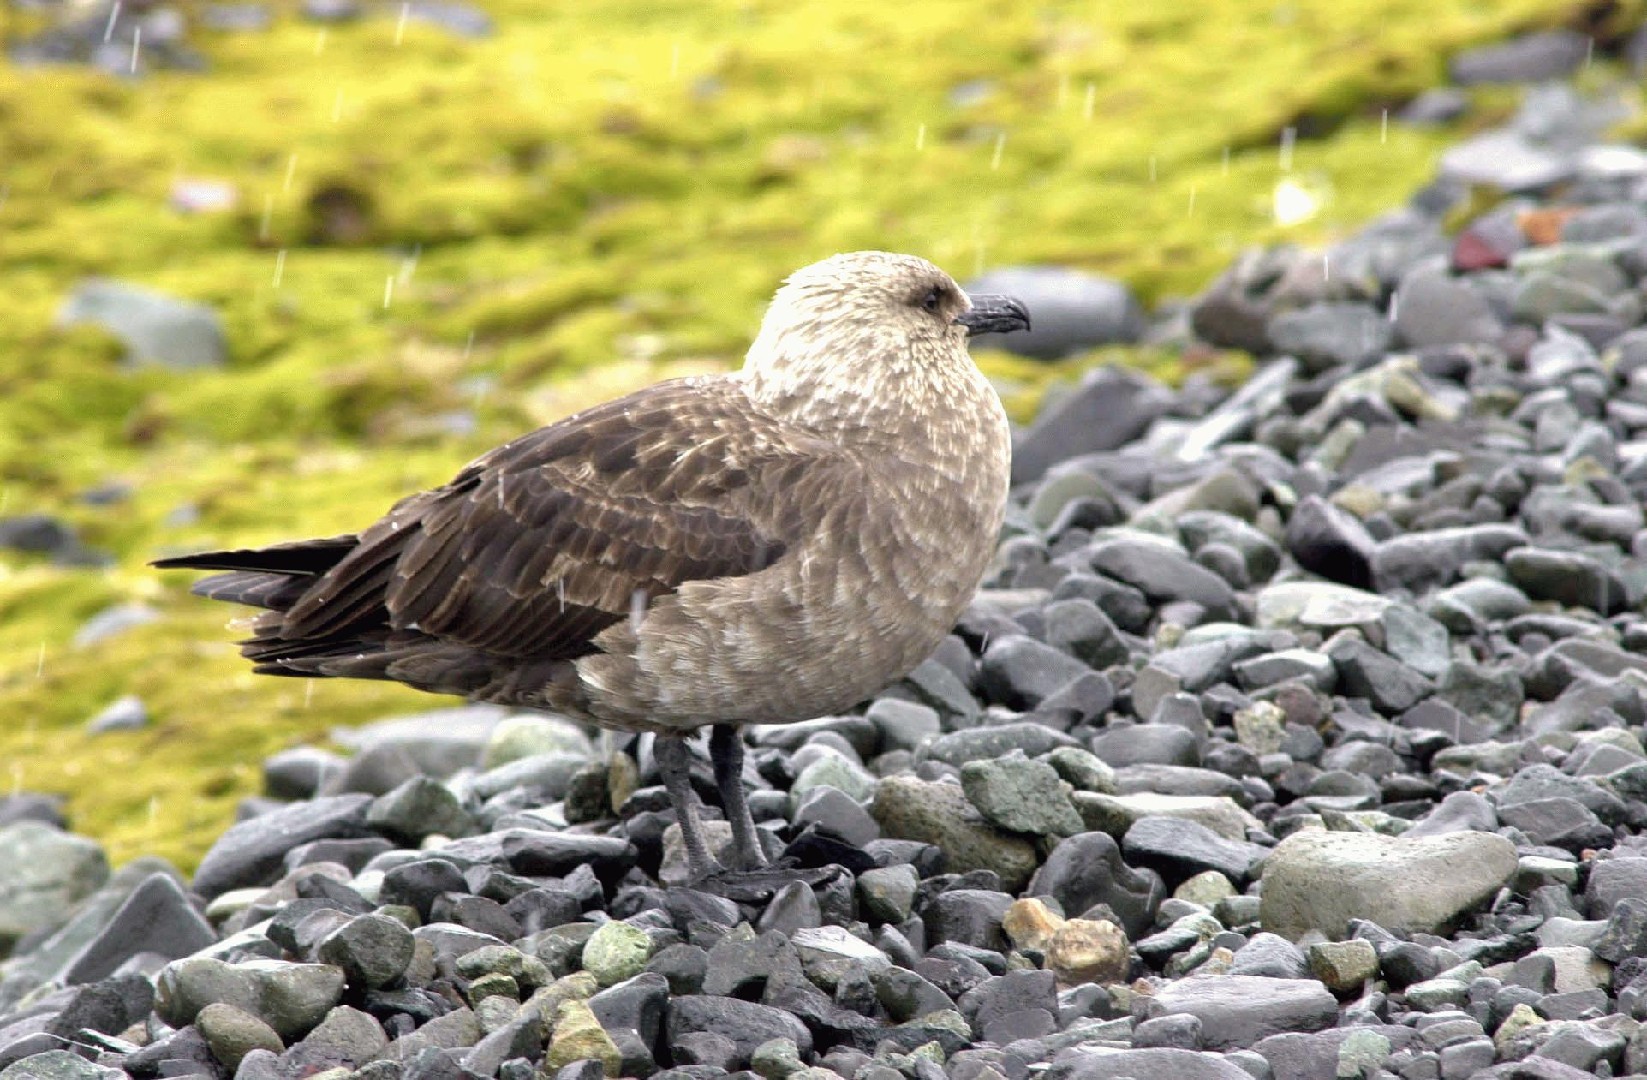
[{"x": 535, "y": 548}]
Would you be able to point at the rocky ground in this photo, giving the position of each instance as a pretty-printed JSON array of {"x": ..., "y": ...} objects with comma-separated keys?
[{"x": 1296, "y": 734}]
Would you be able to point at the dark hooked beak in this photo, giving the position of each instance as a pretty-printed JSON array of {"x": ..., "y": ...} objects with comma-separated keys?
[{"x": 994, "y": 315}]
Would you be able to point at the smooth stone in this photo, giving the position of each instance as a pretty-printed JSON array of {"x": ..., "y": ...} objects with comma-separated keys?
[
  {"x": 291, "y": 998},
  {"x": 908, "y": 808},
  {"x": 1237, "y": 1010},
  {"x": 1320, "y": 880},
  {"x": 251, "y": 852},
  {"x": 44, "y": 873},
  {"x": 1020, "y": 795},
  {"x": 155, "y": 328}
]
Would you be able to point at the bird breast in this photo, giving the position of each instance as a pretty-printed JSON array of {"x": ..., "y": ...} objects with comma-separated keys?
[{"x": 879, "y": 581}]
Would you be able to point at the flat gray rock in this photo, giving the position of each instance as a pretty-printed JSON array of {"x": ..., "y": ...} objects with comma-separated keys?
[
  {"x": 156, "y": 918},
  {"x": 1237, "y": 1010},
  {"x": 44, "y": 872},
  {"x": 1151, "y": 1063},
  {"x": 1320, "y": 880},
  {"x": 251, "y": 852},
  {"x": 156, "y": 329}
]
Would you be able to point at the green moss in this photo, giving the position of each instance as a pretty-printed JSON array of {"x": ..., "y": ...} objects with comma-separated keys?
[{"x": 597, "y": 196}]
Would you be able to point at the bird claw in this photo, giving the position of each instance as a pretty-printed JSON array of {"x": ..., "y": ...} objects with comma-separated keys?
[{"x": 762, "y": 884}]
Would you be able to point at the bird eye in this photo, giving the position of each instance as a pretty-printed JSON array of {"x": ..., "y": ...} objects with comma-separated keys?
[{"x": 931, "y": 300}]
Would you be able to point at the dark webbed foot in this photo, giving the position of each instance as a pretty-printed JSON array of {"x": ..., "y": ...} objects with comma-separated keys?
[{"x": 749, "y": 886}]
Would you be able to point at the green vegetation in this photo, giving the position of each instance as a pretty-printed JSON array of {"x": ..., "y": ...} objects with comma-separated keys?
[{"x": 597, "y": 196}]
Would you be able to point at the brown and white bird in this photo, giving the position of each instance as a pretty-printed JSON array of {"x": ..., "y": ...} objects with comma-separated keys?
[{"x": 761, "y": 547}]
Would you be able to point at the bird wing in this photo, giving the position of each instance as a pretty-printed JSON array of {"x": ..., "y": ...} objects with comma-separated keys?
[{"x": 536, "y": 547}]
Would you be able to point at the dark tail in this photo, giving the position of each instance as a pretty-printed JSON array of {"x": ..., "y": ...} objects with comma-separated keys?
[{"x": 272, "y": 577}]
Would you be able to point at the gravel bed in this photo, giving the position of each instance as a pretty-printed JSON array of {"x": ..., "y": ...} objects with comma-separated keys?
[{"x": 1297, "y": 733}]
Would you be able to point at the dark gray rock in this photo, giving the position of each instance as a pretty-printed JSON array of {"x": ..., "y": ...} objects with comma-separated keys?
[
  {"x": 1331, "y": 542},
  {"x": 1237, "y": 1010},
  {"x": 1324, "y": 335},
  {"x": 746, "y": 1024},
  {"x": 1390, "y": 686},
  {"x": 251, "y": 852},
  {"x": 838, "y": 814},
  {"x": 1179, "y": 849},
  {"x": 1111, "y": 407},
  {"x": 969, "y": 916},
  {"x": 1567, "y": 577},
  {"x": 1272, "y": 956},
  {"x": 1163, "y": 574},
  {"x": 1147, "y": 744},
  {"x": 372, "y": 950},
  {"x": 637, "y": 1004},
  {"x": 1557, "y": 822},
  {"x": 1611, "y": 881},
  {"x": 1433, "y": 308},
  {"x": 1536, "y": 57},
  {"x": 155, "y": 918},
  {"x": 1432, "y": 559},
  {"x": 1148, "y": 1063},
  {"x": 1087, "y": 869},
  {"x": 1021, "y": 673}
]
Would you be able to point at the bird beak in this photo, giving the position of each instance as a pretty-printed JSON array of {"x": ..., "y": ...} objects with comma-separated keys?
[{"x": 994, "y": 315}]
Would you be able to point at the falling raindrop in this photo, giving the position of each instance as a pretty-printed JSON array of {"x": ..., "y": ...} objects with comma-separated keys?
[
  {"x": 291, "y": 171},
  {"x": 388, "y": 290},
  {"x": 280, "y": 266},
  {"x": 469, "y": 345},
  {"x": 400, "y": 23},
  {"x": 1091, "y": 99},
  {"x": 637, "y": 609},
  {"x": 1326, "y": 266},
  {"x": 1000, "y": 145},
  {"x": 1384, "y": 126},
  {"x": 920, "y": 137},
  {"x": 1289, "y": 136},
  {"x": 1191, "y": 211},
  {"x": 675, "y": 60},
  {"x": 1589, "y": 52},
  {"x": 154, "y": 810},
  {"x": 40, "y": 661},
  {"x": 320, "y": 41},
  {"x": 137, "y": 46},
  {"x": 308, "y": 692},
  {"x": 114, "y": 16}
]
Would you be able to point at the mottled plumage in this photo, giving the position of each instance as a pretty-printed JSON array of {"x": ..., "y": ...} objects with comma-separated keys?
[{"x": 759, "y": 547}]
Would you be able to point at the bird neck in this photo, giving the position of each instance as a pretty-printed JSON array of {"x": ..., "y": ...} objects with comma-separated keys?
[{"x": 867, "y": 388}]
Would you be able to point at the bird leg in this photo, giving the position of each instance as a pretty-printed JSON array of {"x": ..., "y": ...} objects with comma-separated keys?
[
  {"x": 674, "y": 760},
  {"x": 726, "y": 755}
]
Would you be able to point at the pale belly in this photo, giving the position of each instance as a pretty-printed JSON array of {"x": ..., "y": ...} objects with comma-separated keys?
[{"x": 806, "y": 639}]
